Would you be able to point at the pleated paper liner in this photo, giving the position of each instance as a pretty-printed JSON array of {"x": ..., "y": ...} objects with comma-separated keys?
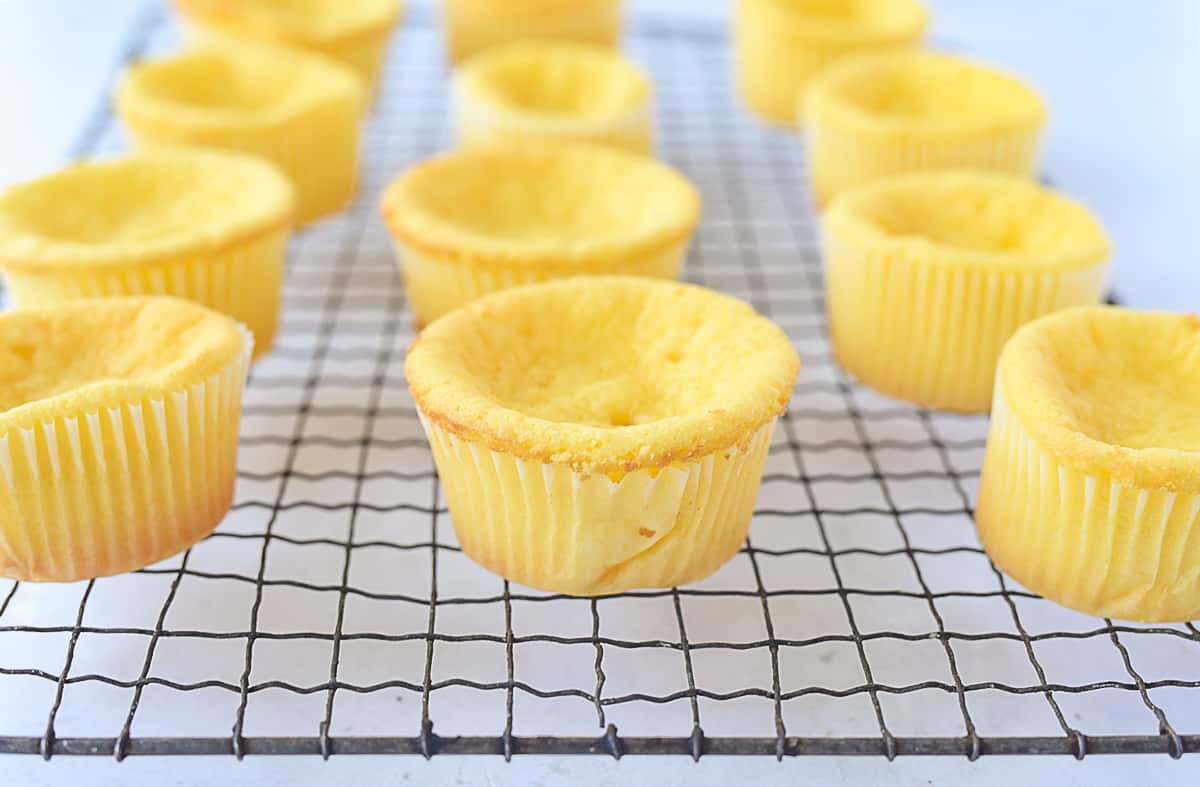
[
  {"x": 549, "y": 527},
  {"x": 929, "y": 331},
  {"x": 93, "y": 494},
  {"x": 840, "y": 159},
  {"x": 436, "y": 285},
  {"x": 243, "y": 280},
  {"x": 1081, "y": 539}
]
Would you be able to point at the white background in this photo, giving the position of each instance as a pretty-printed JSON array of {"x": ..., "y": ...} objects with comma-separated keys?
[{"x": 1123, "y": 82}]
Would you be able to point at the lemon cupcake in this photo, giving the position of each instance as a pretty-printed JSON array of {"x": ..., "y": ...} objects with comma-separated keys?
[
  {"x": 353, "y": 32},
  {"x": 779, "y": 45},
  {"x": 530, "y": 93},
  {"x": 204, "y": 225},
  {"x": 474, "y": 25},
  {"x": 1090, "y": 493},
  {"x": 476, "y": 221},
  {"x": 928, "y": 275},
  {"x": 597, "y": 435},
  {"x": 299, "y": 111},
  {"x": 876, "y": 115},
  {"x": 121, "y": 453}
]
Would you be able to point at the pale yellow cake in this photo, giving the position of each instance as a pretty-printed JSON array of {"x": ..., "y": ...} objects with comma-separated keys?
[
  {"x": 780, "y": 45},
  {"x": 118, "y": 433},
  {"x": 475, "y": 25},
  {"x": 353, "y": 32},
  {"x": 204, "y": 225},
  {"x": 1090, "y": 492},
  {"x": 301, "y": 112},
  {"x": 870, "y": 116},
  {"x": 928, "y": 275},
  {"x": 539, "y": 92},
  {"x": 479, "y": 220},
  {"x": 599, "y": 434}
]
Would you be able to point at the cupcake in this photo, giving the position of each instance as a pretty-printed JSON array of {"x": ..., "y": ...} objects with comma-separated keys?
[
  {"x": 204, "y": 225},
  {"x": 780, "y": 44},
  {"x": 353, "y": 32},
  {"x": 928, "y": 275},
  {"x": 1090, "y": 492},
  {"x": 475, "y": 25},
  {"x": 876, "y": 115},
  {"x": 531, "y": 93},
  {"x": 601, "y": 434},
  {"x": 299, "y": 111},
  {"x": 121, "y": 455},
  {"x": 480, "y": 220}
]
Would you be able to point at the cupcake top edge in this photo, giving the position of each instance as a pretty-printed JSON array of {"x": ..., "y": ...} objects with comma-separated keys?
[
  {"x": 575, "y": 206},
  {"x": 311, "y": 23},
  {"x": 1112, "y": 392},
  {"x": 605, "y": 374},
  {"x": 844, "y": 21},
  {"x": 144, "y": 207},
  {"x": 89, "y": 356},
  {"x": 969, "y": 218},
  {"x": 555, "y": 81},
  {"x": 222, "y": 85},
  {"x": 921, "y": 93}
]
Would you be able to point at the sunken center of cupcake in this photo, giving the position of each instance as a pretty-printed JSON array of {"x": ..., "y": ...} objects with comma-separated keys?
[
  {"x": 210, "y": 80},
  {"x": 142, "y": 198},
  {"x": 1129, "y": 379},
  {"x": 984, "y": 213},
  {"x": 124, "y": 339},
  {"x": 562, "y": 200},
  {"x": 616, "y": 356},
  {"x": 567, "y": 80},
  {"x": 936, "y": 89}
]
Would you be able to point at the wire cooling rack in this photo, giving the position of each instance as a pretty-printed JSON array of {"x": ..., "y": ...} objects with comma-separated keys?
[{"x": 333, "y": 612}]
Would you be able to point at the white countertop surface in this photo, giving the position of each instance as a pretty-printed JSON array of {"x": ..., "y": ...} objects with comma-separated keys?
[{"x": 1123, "y": 82}]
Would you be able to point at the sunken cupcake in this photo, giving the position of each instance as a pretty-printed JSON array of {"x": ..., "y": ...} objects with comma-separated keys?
[
  {"x": 780, "y": 45},
  {"x": 208, "y": 226},
  {"x": 123, "y": 453},
  {"x": 1090, "y": 493},
  {"x": 534, "y": 93},
  {"x": 299, "y": 111},
  {"x": 480, "y": 220},
  {"x": 871, "y": 116},
  {"x": 929, "y": 274},
  {"x": 600, "y": 434}
]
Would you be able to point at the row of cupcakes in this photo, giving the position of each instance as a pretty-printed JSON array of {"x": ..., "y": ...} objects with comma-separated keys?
[
  {"x": 1064, "y": 453},
  {"x": 117, "y": 459},
  {"x": 119, "y": 416},
  {"x": 956, "y": 282}
]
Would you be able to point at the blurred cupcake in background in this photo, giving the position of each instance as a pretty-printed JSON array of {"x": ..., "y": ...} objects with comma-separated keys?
[
  {"x": 779, "y": 45},
  {"x": 474, "y": 25},
  {"x": 353, "y": 32},
  {"x": 876, "y": 115},
  {"x": 536, "y": 92},
  {"x": 928, "y": 275},
  {"x": 299, "y": 111}
]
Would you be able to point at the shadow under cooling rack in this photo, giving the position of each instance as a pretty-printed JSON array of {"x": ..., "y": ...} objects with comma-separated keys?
[{"x": 334, "y": 613}]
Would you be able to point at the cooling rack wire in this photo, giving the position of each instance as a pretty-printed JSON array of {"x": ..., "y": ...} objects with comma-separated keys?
[{"x": 333, "y": 612}]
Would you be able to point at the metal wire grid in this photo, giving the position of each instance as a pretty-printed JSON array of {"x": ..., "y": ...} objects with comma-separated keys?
[{"x": 861, "y": 617}]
